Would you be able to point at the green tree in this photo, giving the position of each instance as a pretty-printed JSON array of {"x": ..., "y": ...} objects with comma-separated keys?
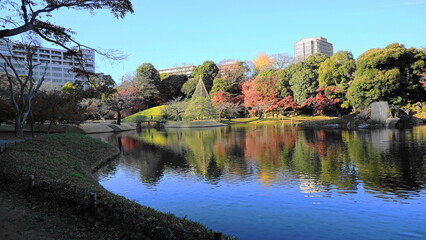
[
  {"x": 170, "y": 87},
  {"x": 200, "y": 90},
  {"x": 283, "y": 82},
  {"x": 200, "y": 106},
  {"x": 71, "y": 89},
  {"x": 188, "y": 87},
  {"x": 222, "y": 84},
  {"x": 100, "y": 85},
  {"x": 207, "y": 71},
  {"x": 148, "y": 71},
  {"x": 337, "y": 71},
  {"x": 388, "y": 74},
  {"x": 147, "y": 80},
  {"x": 304, "y": 77}
]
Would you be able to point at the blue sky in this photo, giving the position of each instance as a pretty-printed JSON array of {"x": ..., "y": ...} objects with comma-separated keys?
[{"x": 167, "y": 33}]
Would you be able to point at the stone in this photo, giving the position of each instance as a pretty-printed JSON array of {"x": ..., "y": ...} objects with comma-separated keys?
[
  {"x": 363, "y": 126},
  {"x": 379, "y": 112},
  {"x": 392, "y": 122}
]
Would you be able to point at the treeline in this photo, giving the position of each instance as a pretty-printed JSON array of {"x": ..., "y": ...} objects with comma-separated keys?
[
  {"x": 268, "y": 84},
  {"x": 274, "y": 84}
]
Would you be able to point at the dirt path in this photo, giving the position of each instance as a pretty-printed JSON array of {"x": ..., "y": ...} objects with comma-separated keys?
[{"x": 18, "y": 221}]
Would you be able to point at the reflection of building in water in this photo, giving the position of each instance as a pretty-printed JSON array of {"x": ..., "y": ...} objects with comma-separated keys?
[{"x": 308, "y": 185}]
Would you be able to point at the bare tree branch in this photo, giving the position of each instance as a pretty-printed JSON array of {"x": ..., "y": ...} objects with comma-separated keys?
[{"x": 22, "y": 88}]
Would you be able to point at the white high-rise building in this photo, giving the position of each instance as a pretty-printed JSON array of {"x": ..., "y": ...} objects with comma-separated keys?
[
  {"x": 308, "y": 46},
  {"x": 54, "y": 61},
  {"x": 183, "y": 70}
]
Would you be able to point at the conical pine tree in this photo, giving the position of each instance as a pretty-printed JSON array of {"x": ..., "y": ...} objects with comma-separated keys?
[
  {"x": 200, "y": 106},
  {"x": 200, "y": 90}
]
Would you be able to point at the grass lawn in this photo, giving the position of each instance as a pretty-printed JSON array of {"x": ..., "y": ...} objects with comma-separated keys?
[
  {"x": 157, "y": 113},
  {"x": 62, "y": 165},
  {"x": 194, "y": 124}
]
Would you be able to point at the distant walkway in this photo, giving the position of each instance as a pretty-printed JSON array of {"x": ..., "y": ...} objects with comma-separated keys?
[
  {"x": 101, "y": 127},
  {"x": 6, "y": 131}
]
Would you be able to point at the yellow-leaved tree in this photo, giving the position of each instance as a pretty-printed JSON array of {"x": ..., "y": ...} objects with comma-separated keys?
[{"x": 263, "y": 62}]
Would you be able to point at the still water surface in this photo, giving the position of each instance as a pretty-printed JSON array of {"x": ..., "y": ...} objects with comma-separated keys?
[{"x": 278, "y": 181}]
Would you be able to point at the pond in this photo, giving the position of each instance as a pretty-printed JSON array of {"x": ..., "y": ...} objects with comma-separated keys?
[{"x": 278, "y": 181}]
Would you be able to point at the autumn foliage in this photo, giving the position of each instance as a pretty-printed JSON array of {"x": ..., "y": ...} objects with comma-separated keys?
[
  {"x": 322, "y": 101},
  {"x": 263, "y": 61},
  {"x": 227, "y": 105},
  {"x": 259, "y": 99},
  {"x": 122, "y": 101}
]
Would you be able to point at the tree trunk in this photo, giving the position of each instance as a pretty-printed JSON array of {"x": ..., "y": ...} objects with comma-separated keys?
[
  {"x": 19, "y": 128},
  {"x": 20, "y": 119},
  {"x": 337, "y": 111},
  {"x": 50, "y": 125},
  {"x": 118, "y": 117}
]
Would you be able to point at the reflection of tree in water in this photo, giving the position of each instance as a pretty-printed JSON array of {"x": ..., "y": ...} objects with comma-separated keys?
[
  {"x": 228, "y": 153},
  {"x": 151, "y": 160},
  {"x": 324, "y": 156},
  {"x": 128, "y": 143},
  {"x": 200, "y": 146},
  {"x": 389, "y": 161},
  {"x": 262, "y": 145},
  {"x": 393, "y": 163},
  {"x": 106, "y": 170}
]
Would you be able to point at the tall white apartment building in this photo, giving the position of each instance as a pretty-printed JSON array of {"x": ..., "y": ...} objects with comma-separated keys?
[
  {"x": 54, "y": 61},
  {"x": 308, "y": 46}
]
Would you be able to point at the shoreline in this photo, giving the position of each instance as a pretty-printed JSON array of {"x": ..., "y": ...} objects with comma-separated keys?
[
  {"x": 63, "y": 184},
  {"x": 90, "y": 127}
]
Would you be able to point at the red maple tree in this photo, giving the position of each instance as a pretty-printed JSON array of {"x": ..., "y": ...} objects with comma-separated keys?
[
  {"x": 322, "y": 101},
  {"x": 226, "y": 104},
  {"x": 260, "y": 96},
  {"x": 287, "y": 103}
]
